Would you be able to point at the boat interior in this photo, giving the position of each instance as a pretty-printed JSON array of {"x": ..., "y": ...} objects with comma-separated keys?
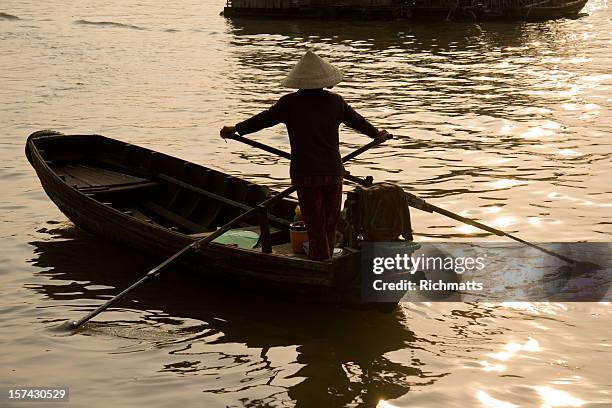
[{"x": 163, "y": 190}]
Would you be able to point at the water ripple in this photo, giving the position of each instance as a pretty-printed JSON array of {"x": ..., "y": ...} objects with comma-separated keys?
[
  {"x": 6, "y": 16},
  {"x": 108, "y": 24}
]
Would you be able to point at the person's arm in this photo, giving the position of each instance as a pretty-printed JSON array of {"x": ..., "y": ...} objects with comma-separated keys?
[
  {"x": 269, "y": 117},
  {"x": 355, "y": 121}
]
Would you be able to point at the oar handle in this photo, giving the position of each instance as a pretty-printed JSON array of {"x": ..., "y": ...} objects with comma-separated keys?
[
  {"x": 259, "y": 145},
  {"x": 287, "y": 155},
  {"x": 362, "y": 149},
  {"x": 364, "y": 182}
]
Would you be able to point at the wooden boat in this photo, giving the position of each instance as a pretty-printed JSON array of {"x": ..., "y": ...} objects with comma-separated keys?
[
  {"x": 160, "y": 204},
  {"x": 455, "y": 10},
  {"x": 535, "y": 11}
]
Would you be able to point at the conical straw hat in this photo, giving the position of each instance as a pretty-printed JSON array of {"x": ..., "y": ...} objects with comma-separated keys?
[{"x": 312, "y": 72}]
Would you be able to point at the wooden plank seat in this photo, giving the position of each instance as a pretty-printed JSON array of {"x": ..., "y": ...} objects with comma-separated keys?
[
  {"x": 117, "y": 189},
  {"x": 82, "y": 175},
  {"x": 95, "y": 180},
  {"x": 136, "y": 213},
  {"x": 85, "y": 175},
  {"x": 199, "y": 231},
  {"x": 174, "y": 218},
  {"x": 217, "y": 197}
]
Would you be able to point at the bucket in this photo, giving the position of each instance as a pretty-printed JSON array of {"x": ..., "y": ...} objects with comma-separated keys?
[{"x": 298, "y": 235}]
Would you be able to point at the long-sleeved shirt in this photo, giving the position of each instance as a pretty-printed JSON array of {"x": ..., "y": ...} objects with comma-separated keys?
[{"x": 312, "y": 118}]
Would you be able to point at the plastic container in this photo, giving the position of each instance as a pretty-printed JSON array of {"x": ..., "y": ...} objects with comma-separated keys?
[
  {"x": 240, "y": 238},
  {"x": 298, "y": 214},
  {"x": 298, "y": 235}
]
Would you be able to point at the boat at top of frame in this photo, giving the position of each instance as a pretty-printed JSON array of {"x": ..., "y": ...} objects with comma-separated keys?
[{"x": 451, "y": 10}]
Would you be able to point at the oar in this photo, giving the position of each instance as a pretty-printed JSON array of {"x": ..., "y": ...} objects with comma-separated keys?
[
  {"x": 286, "y": 155},
  {"x": 259, "y": 145},
  {"x": 421, "y": 204},
  {"x": 153, "y": 273},
  {"x": 418, "y": 202}
]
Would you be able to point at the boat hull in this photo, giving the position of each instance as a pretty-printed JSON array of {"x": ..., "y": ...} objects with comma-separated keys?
[
  {"x": 417, "y": 10},
  {"x": 285, "y": 276}
]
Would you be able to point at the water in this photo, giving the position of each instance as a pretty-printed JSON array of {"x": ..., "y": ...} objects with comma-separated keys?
[{"x": 508, "y": 123}]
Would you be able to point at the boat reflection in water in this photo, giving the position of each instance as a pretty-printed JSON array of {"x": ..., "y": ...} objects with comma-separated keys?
[{"x": 338, "y": 356}]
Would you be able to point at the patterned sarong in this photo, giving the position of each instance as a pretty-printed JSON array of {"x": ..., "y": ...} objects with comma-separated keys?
[{"x": 320, "y": 199}]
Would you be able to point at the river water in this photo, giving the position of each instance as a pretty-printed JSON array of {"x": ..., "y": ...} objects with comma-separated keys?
[{"x": 508, "y": 123}]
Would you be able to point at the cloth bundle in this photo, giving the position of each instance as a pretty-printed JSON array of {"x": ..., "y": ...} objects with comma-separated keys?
[{"x": 383, "y": 210}]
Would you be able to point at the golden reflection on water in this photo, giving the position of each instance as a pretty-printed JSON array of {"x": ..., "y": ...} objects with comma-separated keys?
[
  {"x": 467, "y": 229},
  {"x": 489, "y": 402},
  {"x": 539, "y": 308},
  {"x": 534, "y": 220},
  {"x": 506, "y": 183},
  {"x": 505, "y": 221},
  {"x": 538, "y": 132},
  {"x": 510, "y": 349},
  {"x": 385, "y": 404},
  {"x": 489, "y": 367},
  {"x": 568, "y": 152},
  {"x": 552, "y": 397}
]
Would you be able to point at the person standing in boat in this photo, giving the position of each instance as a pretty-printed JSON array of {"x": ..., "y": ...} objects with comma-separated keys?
[{"x": 312, "y": 116}]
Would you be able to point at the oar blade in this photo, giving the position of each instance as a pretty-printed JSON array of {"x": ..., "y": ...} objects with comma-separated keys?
[{"x": 67, "y": 326}]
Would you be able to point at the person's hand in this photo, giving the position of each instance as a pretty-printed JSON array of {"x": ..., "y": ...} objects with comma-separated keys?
[
  {"x": 227, "y": 132},
  {"x": 383, "y": 136}
]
